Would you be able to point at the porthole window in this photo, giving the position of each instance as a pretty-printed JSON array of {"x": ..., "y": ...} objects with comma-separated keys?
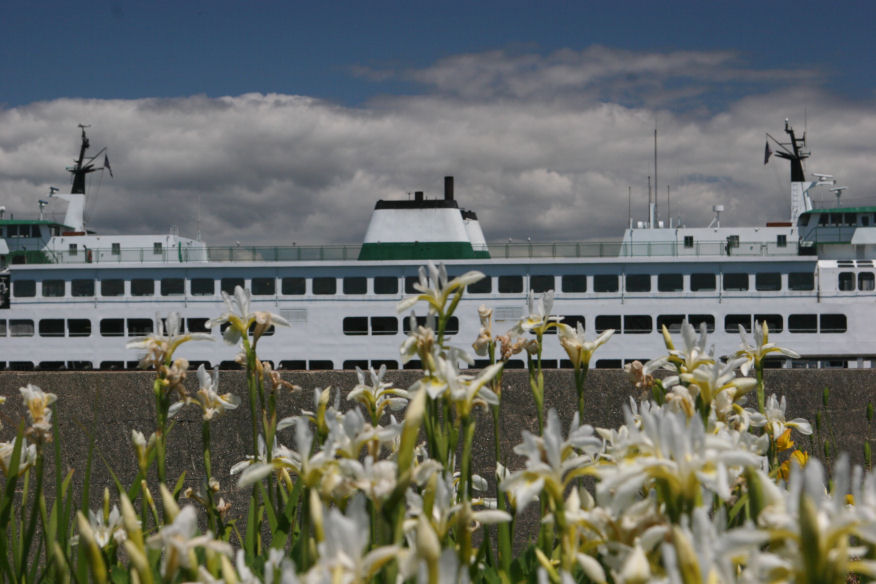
[
  {"x": 482, "y": 286},
  {"x": 605, "y": 283},
  {"x": 735, "y": 281},
  {"x": 670, "y": 282},
  {"x": 112, "y": 287},
  {"x": 702, "y": 281},
  {"x": 510, "y": 284},
  {"x": 142, "y": 287},
  {"x": 264, "y": 286},
  {"x": 768, "y": 281},
  {"x": 638, "y": 282},
  {"x": 81, "y": 287},
  {"x": 574, "y": 283},
  {"x": 53, "y": 288},
  {"x": 325, "y": 286},
  {"x": 801, "y": 281},
  {"x": 203, "y": 286},
  {"x": 356, "y": 285},
  {"x": 541, "y": 284},
  {"x": 385, "y": 285},
  {"x": 293, "y": 286}
]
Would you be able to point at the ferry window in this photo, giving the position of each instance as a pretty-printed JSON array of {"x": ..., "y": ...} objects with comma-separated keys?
[
  {"x": 732, "y": 241},
  {"x": 409, "y": 284},
  {"x": 823, "y": 218},
  {"x": 773, "y": 321},
  {"x": 384, "y": 325},
  {"x": 836, "y": 218},
  {"x": 573, "y": 319},
  {"x": 294, "y": 365},
  {"x": 703, "y": 281},
  {"x": 197, "y": 325},
  {"x": 156, "y": 248},
  {"x": 833, "y": 323},
  {"x": 351, "y": 364},
  {"x": 865, "y": 281},
  {"x": 116, "y": 249},
  {"x": 574, "y": 283},
  {"x": 801, "y": 281},
  {"x": 605, "y": 283},
  {"x": 386, "y": 285},
  {"x": 803, "y": 323},
  {"x": 782, "y": 240},
  {"x": 541, "y": 284},
  {"x": 52, "y": 327},
  {"x": 73, "y": 249},
  {"x": 736, "y": 281},
  {"x": 696, "y": 321},
  {"x": 114, "y": 287},
  {"x": 768, "y": 281},
  {"x": 670, "y": 282},
  {"x": 293, "y": 286},
  {"x": 229, "y": 284},
  {"x": 325, "y": 285},
  {"x": 81, "y": 287},
  {"x": 688, "y": 241},
  {"x": 450, "y": 328},
  {"x": 733, "y": 321},
  {"x": 637, "y": 323},
  {"x": 24, "y": 288},
  {"x": 482, "y": 286},
  {"x": 638, "y": 282},
  {"x": 356, "y": 325},
  {"x": 846, "y": 281},
  {"x": 140, "y": 326},
  {"x": 320, "y": 365},
  {"x": 850, "y": 219},
  {"x": 355, "y": 285},
  {"x": 79, "y": 327},
  {"x": 268, "y": 332},
  {"x": 510, "y": 284},
  {"x": 378, "y": 363},
  {"x": 417, "y": 364},
  {"x": 112, "y": 327},
  {"x": 803, "y": 220},
  {"x": 142, "y": 287},
  {"x": 172, "y": 286},
  {"x": 53, "y": 288},
  {"x": 605, "y": 322},
  {"x": 264, "y": 286},
  {"x": 20, "y": 328},
  {"x": 2, "y": 327},
  {"x": 608, "y": 364},
  {"x": 672, "y": 322},
  {"x": 865, "y": 220}
]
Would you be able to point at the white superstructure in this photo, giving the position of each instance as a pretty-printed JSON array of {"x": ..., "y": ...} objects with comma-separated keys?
[{"x": 70, "y": 298}]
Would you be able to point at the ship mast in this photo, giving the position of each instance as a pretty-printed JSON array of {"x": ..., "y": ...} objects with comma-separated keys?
[
  {"x": 83, "y": 166},
  {"x": 795, "y": 152}
]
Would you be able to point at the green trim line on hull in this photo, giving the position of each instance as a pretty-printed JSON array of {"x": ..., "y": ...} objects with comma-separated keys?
[{"x": 429, "y": 250}]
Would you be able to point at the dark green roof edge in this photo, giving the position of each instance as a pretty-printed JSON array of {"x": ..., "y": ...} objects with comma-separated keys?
[{"x": 430, "y": 250}]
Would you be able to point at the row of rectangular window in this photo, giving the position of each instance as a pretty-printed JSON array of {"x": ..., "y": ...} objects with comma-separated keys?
[
  {"x": 866, "y": 281},
  {"x": 297, "y": 286},
  {"x": 388, "y": 325}
]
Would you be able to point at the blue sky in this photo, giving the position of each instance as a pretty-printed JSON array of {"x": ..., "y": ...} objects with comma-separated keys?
[
  {"x": 220, "y": 114},
  {"x": 171, "y": 49}
]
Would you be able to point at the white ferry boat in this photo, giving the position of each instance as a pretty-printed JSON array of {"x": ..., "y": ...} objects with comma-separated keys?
[{"x": 69, "y": 297}]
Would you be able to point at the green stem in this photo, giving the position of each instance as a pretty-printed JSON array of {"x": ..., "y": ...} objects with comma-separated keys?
[
  {"x": 761, "y": 398},
  {"x": 465, "y": 490},
  {"x": 211, "y": 507},
  {"x": 580, "y": 377}
]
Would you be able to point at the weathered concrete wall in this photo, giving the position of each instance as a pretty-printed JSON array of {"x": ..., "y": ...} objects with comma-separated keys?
[{"x": 106, "y": 406}]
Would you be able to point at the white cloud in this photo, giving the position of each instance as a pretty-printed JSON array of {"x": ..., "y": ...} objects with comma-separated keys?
[{"x": 545, "y": 147}]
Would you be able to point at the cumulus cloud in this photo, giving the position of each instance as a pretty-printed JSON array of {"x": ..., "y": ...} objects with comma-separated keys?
[{"x": 547, "y": 147}]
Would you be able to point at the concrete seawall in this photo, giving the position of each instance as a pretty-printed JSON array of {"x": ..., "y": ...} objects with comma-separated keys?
[{"x": 106, "y": 406}]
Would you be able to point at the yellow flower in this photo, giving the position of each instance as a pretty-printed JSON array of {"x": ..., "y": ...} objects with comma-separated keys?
[{"x": 784, "y": 441}]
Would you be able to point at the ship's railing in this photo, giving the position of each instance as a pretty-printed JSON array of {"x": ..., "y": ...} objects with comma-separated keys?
[{"x": 503, "y": 250}]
